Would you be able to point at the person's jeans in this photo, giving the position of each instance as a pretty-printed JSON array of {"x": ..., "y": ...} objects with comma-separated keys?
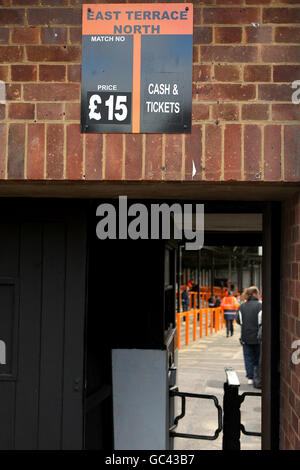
[
  {"x": 229, "y": 325},
  {"x": 251, "y": 358}
]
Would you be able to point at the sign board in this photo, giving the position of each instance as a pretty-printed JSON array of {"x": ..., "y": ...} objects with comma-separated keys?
[{"x": 137, "y": 67}]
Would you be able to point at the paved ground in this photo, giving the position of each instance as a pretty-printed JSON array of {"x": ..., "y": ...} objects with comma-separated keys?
[{"x": 201, "y": 370}]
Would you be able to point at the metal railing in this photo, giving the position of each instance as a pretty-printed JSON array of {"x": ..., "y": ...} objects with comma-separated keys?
[
  {"x": 232, "y": 426},
  {"x": 205, "y": 320},
  {"x": 229, "y": 422},
  {"x": 183, "y": 395}
]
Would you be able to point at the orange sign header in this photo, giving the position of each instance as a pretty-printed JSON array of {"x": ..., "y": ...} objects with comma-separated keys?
[{"x": 139, "y": 18}]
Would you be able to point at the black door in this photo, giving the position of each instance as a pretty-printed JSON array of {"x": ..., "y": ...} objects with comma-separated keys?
[{"x": 42, "y": 304}]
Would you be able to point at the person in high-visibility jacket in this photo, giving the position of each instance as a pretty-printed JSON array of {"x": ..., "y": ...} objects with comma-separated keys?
[{"x": 229, "y": 305}]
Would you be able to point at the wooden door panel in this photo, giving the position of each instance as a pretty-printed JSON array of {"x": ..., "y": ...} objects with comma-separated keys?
[{"x": 42, "y": 304}]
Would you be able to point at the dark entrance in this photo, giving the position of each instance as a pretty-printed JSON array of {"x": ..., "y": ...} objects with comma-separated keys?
[
  {"x": 130, "y": 304},
  {"x": 129, "y": 274},
  {"x": 68, "y": 299}
]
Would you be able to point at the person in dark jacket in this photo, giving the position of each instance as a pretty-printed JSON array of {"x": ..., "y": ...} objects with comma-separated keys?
[
  {"x": 217, "y": 301},
  {"x": 211, "y": 301},
  {"x": 185, "y": 299},
  {"x": 249, "y": 317}
]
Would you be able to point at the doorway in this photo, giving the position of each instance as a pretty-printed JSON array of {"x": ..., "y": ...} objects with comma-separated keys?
[
  {"x": 69, "y": 299},
  {"x": 125, "y": 283}
]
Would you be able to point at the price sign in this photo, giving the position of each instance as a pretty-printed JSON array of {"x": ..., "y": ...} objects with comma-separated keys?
[
  {"x": 109, "y": 108},
  {"x": 137, "y": 68}
]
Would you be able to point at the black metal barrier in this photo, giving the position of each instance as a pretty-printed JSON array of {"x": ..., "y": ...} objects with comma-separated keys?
[
  {"x": 175, "y": 393},
  {"x": 232, "y": 401},
  {"x": 231, "y": 422}
]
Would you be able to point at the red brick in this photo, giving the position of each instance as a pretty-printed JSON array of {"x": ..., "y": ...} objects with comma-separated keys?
[
  {"x": 54, "y": 35},
  {"x": 281, "y": 15},
  {"x": 295, "y": 275},
  {"x": 13, "y": 92},
  {"x": 133, "y": 157},
  {"x": 227, "y": 73},
  {"x": 252, "y": 152},
  {"x": 229, "y": 2},
  {"x": 55, "y": 151},
  {"x": 274, "y": 92},
  {"x": 260, "y": 35},
  {"x": 197, "y": 15},
  {"x": 4, "y": 73},
  {"x": 232, "y": 152},
  {"x": 50, "y": 111},
  {"x": 228, "y": 35},
  {"x": 255, "y": 112},
  {"x": 194, "y": 91},
  {"x": 113, "y": 156},
  {"x": 174, "y": 156},
  {"x": 25, "y": 2},
  {"x": 79, "y": 2},
  {"x": 280, "y": 53},
  {"x": 224, "y": 92},
  {"x": 202, "y": 35},
  {"x": 225, "y": 112},
  {"x": 213, "y": 152},
  {"x": 4, "y": 35},
  {"x": 93, "y": 156},
  {"x": 297, "y": 253},
  {"x": 21, "y": 111},
  {"x": 54, "y": 16},
  {"x": 54, "y": 2},
  {"x": 260, "y": 2},
  {"x": 193, "y": 154},
  {"x": 291, "y": 153},
  {"x": 74, "y": 73},
  {"x": 75, "y": 35},
  {"x": 295, "y": 239},
  {"x": 3, "y": 148},
  {"x": 11, "y": 16},
  {"x": 11, "y": 53},
  {"x": 286, "y": 73},
  {"x": 230, "y": 15},
  {"x": 201, "y": 73},
  {"x": 16, "y": 151},
  {"x": 24, "y": 73},
  {"x": 35, "y": 151},
  {"x": 52, "y": 73},
  {"x": 228, "y": 54},
  {"x": 257, "y": 73},
  {"x": 74, "y": 152},
  {"x": 25, "y": 35},
  {"x": 287, "y": 34},
  {"x": 285, "y": 112},
  {"x": 196, "y": 52},
  {"x": 51, "y": 92},
  {"x": 154, "y": 157},
  {"x": 53, "y": 53},
  {"x": 272, "y": 153},
  {"x": 2, "y": 111},
  {"x": 73, "y": 112},
  {"x": 199, "y": 111}
]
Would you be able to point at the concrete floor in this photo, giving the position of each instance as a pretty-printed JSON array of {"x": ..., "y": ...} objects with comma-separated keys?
[{"x": 201, "y": 370}]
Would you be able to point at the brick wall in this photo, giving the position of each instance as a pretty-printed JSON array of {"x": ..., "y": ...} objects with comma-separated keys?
[
  {"x": 245, "y": 127},
  {"x": 290, "y": 326}
]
